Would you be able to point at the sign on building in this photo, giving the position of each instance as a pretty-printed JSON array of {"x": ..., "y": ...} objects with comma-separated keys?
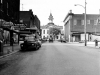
[{"x": 19, "y": 26}]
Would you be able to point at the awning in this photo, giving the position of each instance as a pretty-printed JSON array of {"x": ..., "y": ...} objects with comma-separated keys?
[
  {"x": 25, "y": 32},
  {"x": 8, "y": 29}
]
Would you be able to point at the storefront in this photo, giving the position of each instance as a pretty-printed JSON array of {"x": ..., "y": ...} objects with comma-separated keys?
[{"x": 8, "y": 35}]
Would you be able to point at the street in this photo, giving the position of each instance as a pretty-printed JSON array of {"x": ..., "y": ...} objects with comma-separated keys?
[{"x": 53, "y": 59}]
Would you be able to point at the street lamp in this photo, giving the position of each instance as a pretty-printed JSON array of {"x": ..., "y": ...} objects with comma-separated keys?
[{"x": 84, "y": 20}]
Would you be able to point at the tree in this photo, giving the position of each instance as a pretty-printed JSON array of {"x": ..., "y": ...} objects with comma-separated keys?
[{"x": 54, "y": 31}]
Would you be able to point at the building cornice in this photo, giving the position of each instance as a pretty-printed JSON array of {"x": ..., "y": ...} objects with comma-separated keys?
[{"x": 68, "y": 16}]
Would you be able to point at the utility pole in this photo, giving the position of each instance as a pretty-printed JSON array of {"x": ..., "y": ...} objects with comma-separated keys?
[
  {"x": 84, "y": 21},
  {"x": 85, "y": 26}
]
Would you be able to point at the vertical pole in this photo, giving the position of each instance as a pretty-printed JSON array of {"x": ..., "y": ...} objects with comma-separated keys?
[
  {"x": 69, "y": 30},
  {"x": 85, "y": 25}
]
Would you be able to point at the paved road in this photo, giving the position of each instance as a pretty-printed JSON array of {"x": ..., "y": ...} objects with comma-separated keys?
[{"x": 54, "y": 59}]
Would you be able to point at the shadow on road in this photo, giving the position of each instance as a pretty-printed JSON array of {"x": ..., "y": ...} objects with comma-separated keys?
[{"x": 3, "y": 65}]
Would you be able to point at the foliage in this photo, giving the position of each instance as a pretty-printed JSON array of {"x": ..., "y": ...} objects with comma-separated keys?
[{"x": 54, "y": 31}]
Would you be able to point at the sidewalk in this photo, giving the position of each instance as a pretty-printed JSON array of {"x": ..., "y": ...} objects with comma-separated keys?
[
  {"x": 7, "y": 49},
  {"x": 89, "y": 44}
]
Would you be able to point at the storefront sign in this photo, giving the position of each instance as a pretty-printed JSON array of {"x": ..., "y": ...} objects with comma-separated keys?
[
  {"x": 7, "y": 24},
  {"x": 19, "y": 26}
]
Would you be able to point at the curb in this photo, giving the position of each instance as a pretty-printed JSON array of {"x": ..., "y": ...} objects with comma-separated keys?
[
  {"x": 8, "y": 54},
  {"x": 94, "y": 47},
  {"x": 98, "y": 47}
]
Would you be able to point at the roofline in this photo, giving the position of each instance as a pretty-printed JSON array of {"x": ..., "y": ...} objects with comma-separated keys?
[
  {"x": 87, "y": 14},
  {"x": 78, "y": 14},
  {"x": 67, "y": 16}
]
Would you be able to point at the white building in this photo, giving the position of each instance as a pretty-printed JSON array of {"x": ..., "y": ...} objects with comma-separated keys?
[{"x": 45, "y": 33}]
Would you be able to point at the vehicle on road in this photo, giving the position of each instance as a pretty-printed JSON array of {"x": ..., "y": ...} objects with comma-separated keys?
[
  {"x": 39, "y": 42},
  {"x": 50, "y": 39},
  {"x": 27, "y": 45},
  {"x": 30, "y": 44},
  {"x": 63, "y": 40}
]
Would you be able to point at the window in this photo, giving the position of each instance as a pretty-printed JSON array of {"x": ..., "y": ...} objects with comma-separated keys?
[
  {"x": 43, "y": 31},
  {"x": 82, "y": 22},
  {"x": 47, "y": 31},
  {"x": 95, "y": 22},
  {"x": 43, "y": 37},
  {"x": 75, "y": 22},
  {"x": 98, "y": 20},
  {"x": 88, "y": 21}
]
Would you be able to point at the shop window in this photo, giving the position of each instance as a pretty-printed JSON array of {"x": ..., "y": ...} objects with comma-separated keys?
[{"x": 6, "y": 37}]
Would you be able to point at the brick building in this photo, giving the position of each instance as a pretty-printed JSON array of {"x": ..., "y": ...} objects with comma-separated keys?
[
  {"x": 74, "y": 27},
  {"x": 31, "y": 21},
  {"x": 27, "y": 18},
  {"x": 37, "y": 22}
]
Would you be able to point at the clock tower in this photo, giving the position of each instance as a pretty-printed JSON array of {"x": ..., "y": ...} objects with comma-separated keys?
[{"x": 50, "y": 18}]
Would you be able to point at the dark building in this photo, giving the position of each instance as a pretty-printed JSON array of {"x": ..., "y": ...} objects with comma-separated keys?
[
  {"x": 9, "y": 10},
  {"x": 37, "y": 22},
  {"x": 30, "y": 20},
  {"x": 74, "y": 27},
  {"x": 9, "y": 16},
  {"x": 27, "y": 18}
]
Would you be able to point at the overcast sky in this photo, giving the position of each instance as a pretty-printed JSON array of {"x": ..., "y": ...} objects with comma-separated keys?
[{"x": 58, "y": 8}]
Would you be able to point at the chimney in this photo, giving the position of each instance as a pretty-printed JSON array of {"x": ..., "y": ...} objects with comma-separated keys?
[
  {"x": 70, "y": 11},
  {"x": 30, "y": 10}
]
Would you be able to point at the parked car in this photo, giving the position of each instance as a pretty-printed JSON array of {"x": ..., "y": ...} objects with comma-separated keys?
[
  {"x": 63, "y": 40},
  {"x": 27, "y": 45},
  {"x": 39, "y": 42},
  {"x": 43, "y": 40}
]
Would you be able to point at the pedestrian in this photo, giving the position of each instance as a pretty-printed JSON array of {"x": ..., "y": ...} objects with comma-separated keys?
[{"x": 96, "y": 42}]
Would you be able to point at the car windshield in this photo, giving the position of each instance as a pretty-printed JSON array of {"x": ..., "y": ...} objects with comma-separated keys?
[{"x": 30, "y": 38}]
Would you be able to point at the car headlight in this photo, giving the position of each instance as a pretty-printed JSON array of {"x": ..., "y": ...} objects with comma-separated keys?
[
  {"x": 21, "y": 45},
  {"x": 32, "y": 44}
]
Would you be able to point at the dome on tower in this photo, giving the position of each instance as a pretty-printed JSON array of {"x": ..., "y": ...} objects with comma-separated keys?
[{"x": 51, "y": 18}]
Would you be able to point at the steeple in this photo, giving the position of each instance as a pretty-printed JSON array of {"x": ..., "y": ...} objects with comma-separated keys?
[{"x": 51, "y": 18}]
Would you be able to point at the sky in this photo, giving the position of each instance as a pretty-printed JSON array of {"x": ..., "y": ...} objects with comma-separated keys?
[{"x": 58, "y": 8}]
